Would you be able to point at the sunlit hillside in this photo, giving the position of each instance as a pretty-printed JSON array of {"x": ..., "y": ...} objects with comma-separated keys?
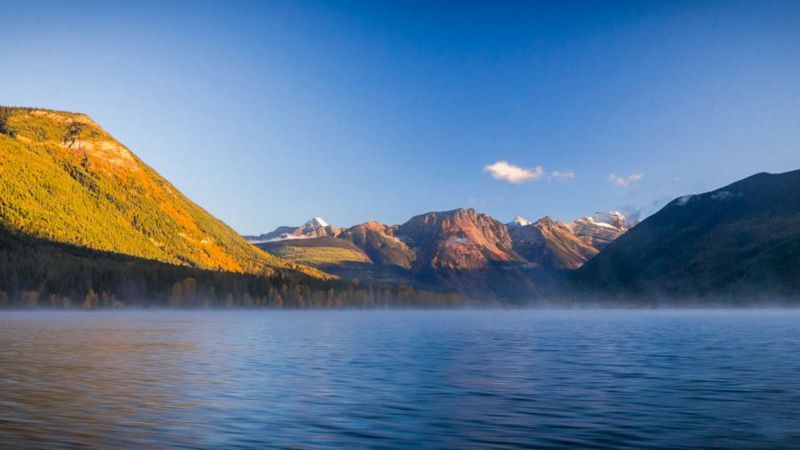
[{"x": 65, "y": 179}]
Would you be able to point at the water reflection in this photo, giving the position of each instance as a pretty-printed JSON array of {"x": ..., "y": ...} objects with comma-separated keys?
[{"x": 399, "y": 379}]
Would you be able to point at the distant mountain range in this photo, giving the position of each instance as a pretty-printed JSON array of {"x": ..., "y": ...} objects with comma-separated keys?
[
  {"x": 737, "y": 244},
  {"x": 315, "y": 227},
  {"x": 84, "y": 221},
  {"x": 460, "y": 249}
]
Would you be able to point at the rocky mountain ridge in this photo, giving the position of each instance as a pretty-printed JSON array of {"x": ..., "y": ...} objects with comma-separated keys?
[
  {"x": 316, "y": 227},
  {"x": 453, "y": 248}
]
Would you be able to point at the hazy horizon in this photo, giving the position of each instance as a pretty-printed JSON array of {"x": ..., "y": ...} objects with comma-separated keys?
[{"x": 268, "y": 114}]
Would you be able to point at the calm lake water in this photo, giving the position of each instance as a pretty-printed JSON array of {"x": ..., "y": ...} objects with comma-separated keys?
[{"x": 400, "y": 379}]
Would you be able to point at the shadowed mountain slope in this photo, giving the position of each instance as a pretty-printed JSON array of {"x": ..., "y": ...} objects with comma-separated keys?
[{"x": 739, "y": 240}]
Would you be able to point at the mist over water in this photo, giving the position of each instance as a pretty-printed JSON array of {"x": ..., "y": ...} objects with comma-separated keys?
[{"x": 400, "y": 379}]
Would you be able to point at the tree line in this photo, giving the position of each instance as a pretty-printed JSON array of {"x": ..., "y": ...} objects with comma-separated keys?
[{"x": 35, "y": 273}]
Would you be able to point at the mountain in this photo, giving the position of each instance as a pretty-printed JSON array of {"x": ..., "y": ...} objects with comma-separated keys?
[
  {"x": 278, "y": 234},
  {"x": 737, "y": 241},
  {"x": 551, "y": 244},
  {"x": 600, "y": 229},
  {"x": 314, "y": 228},
  {"x": 66, "y": 180},
  {"x": 459, "y": 250},
  {"x": 466, "y": 251},
  {"x": 381, "y": 244},
  {"x": 360, "y": 253},
  {"x": 455, "y": 250},
  {"x": 518, "y": 221},
  {"x": 461, "y": 239},
  {"x": 555, "y": 245}
]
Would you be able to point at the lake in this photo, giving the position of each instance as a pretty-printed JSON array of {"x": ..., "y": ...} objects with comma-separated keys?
[{"x": 400, "y": 379}]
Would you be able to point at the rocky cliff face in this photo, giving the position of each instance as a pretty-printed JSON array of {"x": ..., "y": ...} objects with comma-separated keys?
[
  {"x": 381, "y": 244},
  {"x": 552, "y": 245},
  {"x": 459, "y": 249},
  {"x": 461, "y": 239},
  {"x": 600, "y": 229},
  {"x": 467, "y": 252},
  {"x": 555, "y": 245}
]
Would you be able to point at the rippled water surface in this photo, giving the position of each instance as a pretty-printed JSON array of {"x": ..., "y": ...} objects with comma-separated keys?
[{"x": 400, "y": 379}]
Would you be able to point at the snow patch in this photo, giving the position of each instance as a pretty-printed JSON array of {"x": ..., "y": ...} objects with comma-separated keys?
[
  {"x": 602, "y": 224},
  {"x": 282, "y": 237},
  {"x": 314, "y": 224},
  {"x": 612, "y": 220},
  {"x": 518, "y": 221},
  {"x": 608, "y": 217},
  {"x": 318, "y": 221}
]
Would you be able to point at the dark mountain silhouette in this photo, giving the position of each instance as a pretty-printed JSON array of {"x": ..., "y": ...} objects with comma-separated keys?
[{"x": 740, "y": 240}]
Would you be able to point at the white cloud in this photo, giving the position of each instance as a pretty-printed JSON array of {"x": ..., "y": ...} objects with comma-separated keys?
[
  {"x": 624, "y": 182},
  {"x": 562, "y": 175},
  {"x": 503, "y": 170}
]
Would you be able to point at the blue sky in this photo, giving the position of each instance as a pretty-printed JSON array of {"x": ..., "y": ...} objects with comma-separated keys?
[{"x": 269, "y": 113}]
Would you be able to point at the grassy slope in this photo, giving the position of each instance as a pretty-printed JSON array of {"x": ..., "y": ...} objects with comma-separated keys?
[
  {"x": 63, "y": 178},
  {"x": 317, "y": 252}
]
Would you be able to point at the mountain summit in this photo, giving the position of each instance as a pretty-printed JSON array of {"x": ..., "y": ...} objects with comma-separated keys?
[
  {"x": 460, "y": 239},
  {"x": 565, "y": 246},
  {"x": 316, "y": 227},
  {"x": 518, "y": 221},
  {"x": 459, "y": 249},
  {"x": 551, "y": 244},
  {"x": 601, "y": 228}
]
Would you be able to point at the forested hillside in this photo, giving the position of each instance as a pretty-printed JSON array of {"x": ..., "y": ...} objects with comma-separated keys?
[
  {"x": 39, "y": 273},
  {"x": 64, "y": 179}
]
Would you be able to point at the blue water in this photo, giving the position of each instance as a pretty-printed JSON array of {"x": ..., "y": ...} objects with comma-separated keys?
[{"x": 400, "y": 379}]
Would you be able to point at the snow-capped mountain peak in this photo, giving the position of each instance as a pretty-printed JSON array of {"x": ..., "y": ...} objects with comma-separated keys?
[
  {"x": 316, "y": 227},
  {"x": 317, "y": 222},
  {"x": 613, "y": 219},
  {"x": 600, "y": 228},
  {"x": 518, "y": 221}
]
